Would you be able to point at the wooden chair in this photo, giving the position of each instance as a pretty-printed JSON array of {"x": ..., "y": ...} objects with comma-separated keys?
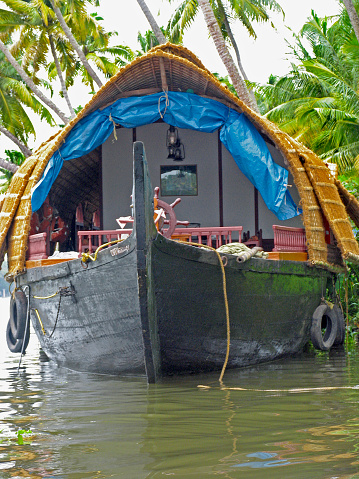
[{"x": 255, "y": 240}]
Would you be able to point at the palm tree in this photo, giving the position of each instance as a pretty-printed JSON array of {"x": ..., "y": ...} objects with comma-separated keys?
[
  {"x": 224, "y": 54},
  {"x": 30, "y": 83},
  {"x": 80, "y": 7},
  {"x": 14, "y": 96},
  {"x": 151, "y": 20},
  {"x": 8, "y": 166},
  {"x": 38, "y": 31},
  {"x": 353, "y": 16},
  {"x": 318, "y": 101},
  {"x": 98, "y": 50},
  {"x": 25, "y": 150},
  {"x": 147, "y": 41},
  {"x": 246, "y": 11}
]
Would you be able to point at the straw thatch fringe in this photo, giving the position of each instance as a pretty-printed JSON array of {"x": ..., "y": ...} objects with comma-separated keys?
[
  {"x": 17, "y": 226},
  {"x": 331, "y": 203},
  {"x": 350, "y": 202}
]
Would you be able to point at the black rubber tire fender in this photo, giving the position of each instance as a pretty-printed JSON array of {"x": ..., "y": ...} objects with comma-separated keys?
[
  {"x": 324, "y": 318},
  {"x": 341, "y": 326},
  {"x": 18, "y": 314},
  {"x": 16, "y": 345}
]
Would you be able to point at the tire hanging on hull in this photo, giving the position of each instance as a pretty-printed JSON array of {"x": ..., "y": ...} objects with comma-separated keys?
[
  {"x": 18, "y": 327},
  {"x": 326, "y": 330},
  {"x": 341, "y": 326}
]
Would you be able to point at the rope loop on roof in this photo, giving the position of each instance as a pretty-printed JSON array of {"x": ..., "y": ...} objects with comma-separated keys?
[
  {"x": 114, "y": 126},
  {"x": 166, "y": 103}
]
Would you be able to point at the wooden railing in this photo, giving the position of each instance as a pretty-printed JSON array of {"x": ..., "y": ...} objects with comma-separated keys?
[
  {"x": 213, "y": 236},
  {"x": 91, "y": 240},
  {"x": 289, "y": 239}
]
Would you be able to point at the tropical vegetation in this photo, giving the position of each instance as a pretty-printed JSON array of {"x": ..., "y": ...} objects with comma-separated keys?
[{"x": 317, "y": 102}]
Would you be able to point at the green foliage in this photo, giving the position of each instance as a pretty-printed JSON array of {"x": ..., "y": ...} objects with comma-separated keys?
[
  {"x": 317, "y": 102},
  {"x": 15, "y": 157},
  {"x": 349, "y": 289},
  {"x": 20, "y": 439},
  {"x": 20, "y": 436},
  {"x": 225, "y": 81},
  {"x": 225, "y": 11},
  {"x": 35, "y": 35},
  {"x": 148, "y": 41}
]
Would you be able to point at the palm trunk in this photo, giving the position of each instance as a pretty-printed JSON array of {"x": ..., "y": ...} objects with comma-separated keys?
[
  {"x": 25, "y": 77},
  {"x": 7, "y": 165},
  {"x": 61, "y": 78},
  {"x": 224, "y": 54},
  {"x": 25, "y": 150},
  {"x": 236, "y": 51},
  {"x": 353, "y": 16},
  {"x": 150, "y": 18},
  {"x": 75, "y": 45}
]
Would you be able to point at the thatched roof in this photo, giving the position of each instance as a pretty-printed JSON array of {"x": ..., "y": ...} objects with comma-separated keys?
[{"x": 174, "y": 68}]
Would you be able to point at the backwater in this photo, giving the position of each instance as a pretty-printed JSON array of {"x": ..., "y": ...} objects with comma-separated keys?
[{"x": 294, "y": 418}]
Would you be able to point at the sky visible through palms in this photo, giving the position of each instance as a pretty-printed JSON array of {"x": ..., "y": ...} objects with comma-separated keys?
[{"x": 260, "y": 57}]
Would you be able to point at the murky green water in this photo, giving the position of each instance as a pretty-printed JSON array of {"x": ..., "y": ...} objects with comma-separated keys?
[{"x": 86, "y": 426}]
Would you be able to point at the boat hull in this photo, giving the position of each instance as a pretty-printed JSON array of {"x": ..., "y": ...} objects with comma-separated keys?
[
  {"x": 270, "y": 307},
  {"x": 98, "y": 328},
  {"x": 153, "y": 306}
]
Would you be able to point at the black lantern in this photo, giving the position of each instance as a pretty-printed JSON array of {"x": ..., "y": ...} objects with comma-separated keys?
[{"x": 176, "y": 151}]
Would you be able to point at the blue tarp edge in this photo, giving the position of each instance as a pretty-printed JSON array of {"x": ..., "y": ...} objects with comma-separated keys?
[{"x": 182, "y": 110}]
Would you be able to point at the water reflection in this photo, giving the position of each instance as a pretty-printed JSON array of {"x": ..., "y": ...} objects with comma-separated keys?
[{"x": 86, "y": 426}]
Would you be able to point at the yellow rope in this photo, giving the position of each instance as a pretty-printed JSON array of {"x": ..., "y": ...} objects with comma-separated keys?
[
  {"x": 293, "y": 390},
  {"x": 225, "y": 302},
  {"x": 87, "y": 256},
  {"x": 46, "y": 297},
  {"x": 38, "y": 317}
]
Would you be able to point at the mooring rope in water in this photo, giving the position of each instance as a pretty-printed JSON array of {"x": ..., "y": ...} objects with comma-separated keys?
[
  {"x": 347, "y": 306},
  {"x": 225, "y": 301},
  {"x": 26, "y": 327},
  {"x": 292, "y": 390}
]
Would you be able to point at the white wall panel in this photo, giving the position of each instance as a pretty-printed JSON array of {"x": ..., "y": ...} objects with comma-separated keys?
[{"x": 201, "y": 150}]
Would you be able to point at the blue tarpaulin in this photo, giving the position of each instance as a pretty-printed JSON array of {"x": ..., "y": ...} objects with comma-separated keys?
[{"x": 182, "y": 110}]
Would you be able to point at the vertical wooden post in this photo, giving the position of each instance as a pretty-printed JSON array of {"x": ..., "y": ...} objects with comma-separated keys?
[
  {"x": 101, "y": 190},
  {"x": 256, "y": 214},
  {"x": 220, "y": 179}
]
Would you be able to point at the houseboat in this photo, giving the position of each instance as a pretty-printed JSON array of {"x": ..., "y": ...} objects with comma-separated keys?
[{"x": 170, "y": 229}]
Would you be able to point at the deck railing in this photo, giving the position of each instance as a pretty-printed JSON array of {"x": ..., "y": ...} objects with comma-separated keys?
[
  {"x": 289, "y": 239},
  {"x": 91, "y": 240},
  {"x": 213, "y": 236}
]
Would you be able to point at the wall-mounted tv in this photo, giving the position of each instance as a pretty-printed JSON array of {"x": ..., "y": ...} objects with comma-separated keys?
[{"x": 179, "y": 180}]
